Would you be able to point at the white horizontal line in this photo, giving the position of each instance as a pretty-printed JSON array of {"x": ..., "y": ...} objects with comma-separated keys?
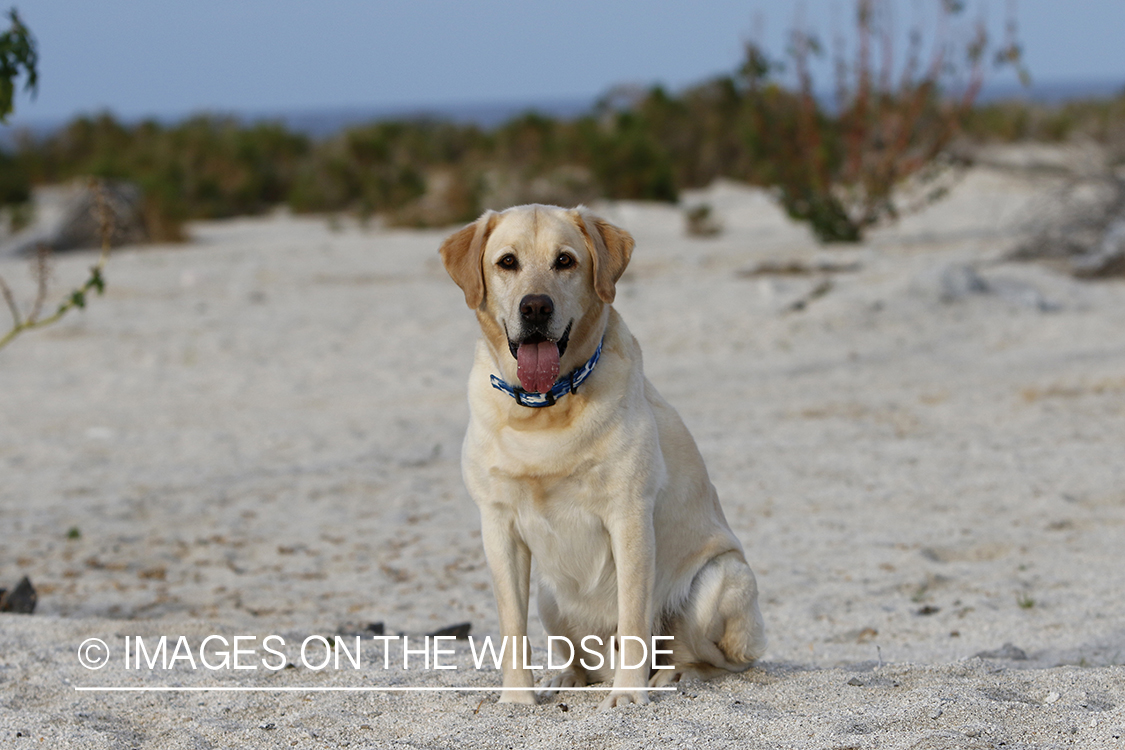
[{"x": 237, "y": 689}]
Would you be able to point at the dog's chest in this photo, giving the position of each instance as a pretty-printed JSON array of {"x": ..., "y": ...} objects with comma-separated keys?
[{"x": 570, "y": 545}]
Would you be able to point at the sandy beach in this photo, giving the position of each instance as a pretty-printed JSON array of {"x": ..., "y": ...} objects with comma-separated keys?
[{"x": 920, "y": 444}]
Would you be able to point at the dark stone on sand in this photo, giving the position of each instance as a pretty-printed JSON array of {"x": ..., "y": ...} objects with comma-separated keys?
[
  {"x": 21, "y": 599},
  {"x": 460, "y": 630}
]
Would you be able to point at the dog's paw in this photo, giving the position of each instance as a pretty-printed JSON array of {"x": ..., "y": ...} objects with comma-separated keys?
[
  {"x": 665, "y": 677},
  {"x": 566, "y": 679},
  {"x": 526, "y": 697},
  {"x": 624, "y": 697}
]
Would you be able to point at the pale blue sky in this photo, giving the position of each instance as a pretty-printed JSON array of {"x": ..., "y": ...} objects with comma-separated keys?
[{"x": 167, "y": 58}]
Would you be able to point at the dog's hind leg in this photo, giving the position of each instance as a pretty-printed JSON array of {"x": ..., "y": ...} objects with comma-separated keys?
[{"x": 719, "y": 627}]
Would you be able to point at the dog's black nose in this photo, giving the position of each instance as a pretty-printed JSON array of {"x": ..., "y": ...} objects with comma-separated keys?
[{"x": 536, "y": 308}]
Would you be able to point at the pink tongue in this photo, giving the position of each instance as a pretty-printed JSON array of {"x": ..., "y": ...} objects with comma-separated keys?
[{"x": 538, "y": 366}]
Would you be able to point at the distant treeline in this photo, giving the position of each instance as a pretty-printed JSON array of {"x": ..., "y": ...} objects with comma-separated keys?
[
  {"x": 648, "y": 145},
  {"x": 1098, "y": 120}
]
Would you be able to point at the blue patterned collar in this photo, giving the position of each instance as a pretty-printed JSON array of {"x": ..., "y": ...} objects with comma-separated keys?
[{"x": 564, "y": 385}]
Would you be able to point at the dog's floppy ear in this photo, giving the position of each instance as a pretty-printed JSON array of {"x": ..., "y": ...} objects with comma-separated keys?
[
  {"x": 610, "y": 248},
  {"x": 461, "y": 253}
]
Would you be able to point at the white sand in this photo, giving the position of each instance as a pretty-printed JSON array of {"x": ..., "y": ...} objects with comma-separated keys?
[{"x": 258, "y": 433}]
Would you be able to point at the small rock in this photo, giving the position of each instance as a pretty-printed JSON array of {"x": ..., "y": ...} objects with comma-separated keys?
[
  {"x": 460, "y": 630},
  {"x": 819, "y": 290},
  {"x": 21, "y": 599},
  {"x": 855, "y": 682}
]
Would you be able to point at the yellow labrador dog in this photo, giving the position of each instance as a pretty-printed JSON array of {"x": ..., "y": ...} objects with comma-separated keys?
[{"x": 578, "y": 463}]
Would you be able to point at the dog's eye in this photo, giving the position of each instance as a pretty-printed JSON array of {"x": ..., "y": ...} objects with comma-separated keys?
[
  {"x": 564, "y": 261},
  {"x": 508, "y": 262}
]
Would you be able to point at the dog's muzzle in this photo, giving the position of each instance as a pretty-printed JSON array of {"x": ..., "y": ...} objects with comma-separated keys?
[{"x": 538, "y": 358}]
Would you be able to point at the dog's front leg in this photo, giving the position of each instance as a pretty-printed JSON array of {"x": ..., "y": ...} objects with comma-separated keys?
[
  {"x": 634, "y": 553},
  {"x": 509, "y": 560}
]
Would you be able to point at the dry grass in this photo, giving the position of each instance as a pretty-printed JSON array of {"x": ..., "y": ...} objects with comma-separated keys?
[
  {"x": 1105, "y": 386},
  {"x": 41, "y": 269}
]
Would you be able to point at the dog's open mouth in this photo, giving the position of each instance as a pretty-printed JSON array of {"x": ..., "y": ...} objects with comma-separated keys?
[{"x": 538, "y": 360}]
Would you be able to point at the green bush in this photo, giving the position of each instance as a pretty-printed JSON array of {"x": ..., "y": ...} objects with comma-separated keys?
[
  {"x": 205, "y": 167},
  {"x": 18, "y": 57},
  {"x": 627, "y": 159},
  {"x": 15, "y": 182},
  {"x": 836, "y": 167}
]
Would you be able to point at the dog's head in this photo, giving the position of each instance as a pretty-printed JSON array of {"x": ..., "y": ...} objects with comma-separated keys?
[{"x": 539, "y": 279}]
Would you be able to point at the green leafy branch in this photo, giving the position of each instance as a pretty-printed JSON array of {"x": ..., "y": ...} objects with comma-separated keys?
[{"x": 17, "y": 54}]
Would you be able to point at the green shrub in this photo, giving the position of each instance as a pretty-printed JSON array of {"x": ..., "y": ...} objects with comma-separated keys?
[
  {"x": 18, "y": 57},
  {"x": 838, "y": 167},
  {"x": 15, "y": 182}
]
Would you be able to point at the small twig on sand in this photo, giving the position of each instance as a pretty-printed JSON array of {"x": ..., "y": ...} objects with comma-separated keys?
[
  {"x": 42, "y": 276},
  {"x": 818, "y": 291}
]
